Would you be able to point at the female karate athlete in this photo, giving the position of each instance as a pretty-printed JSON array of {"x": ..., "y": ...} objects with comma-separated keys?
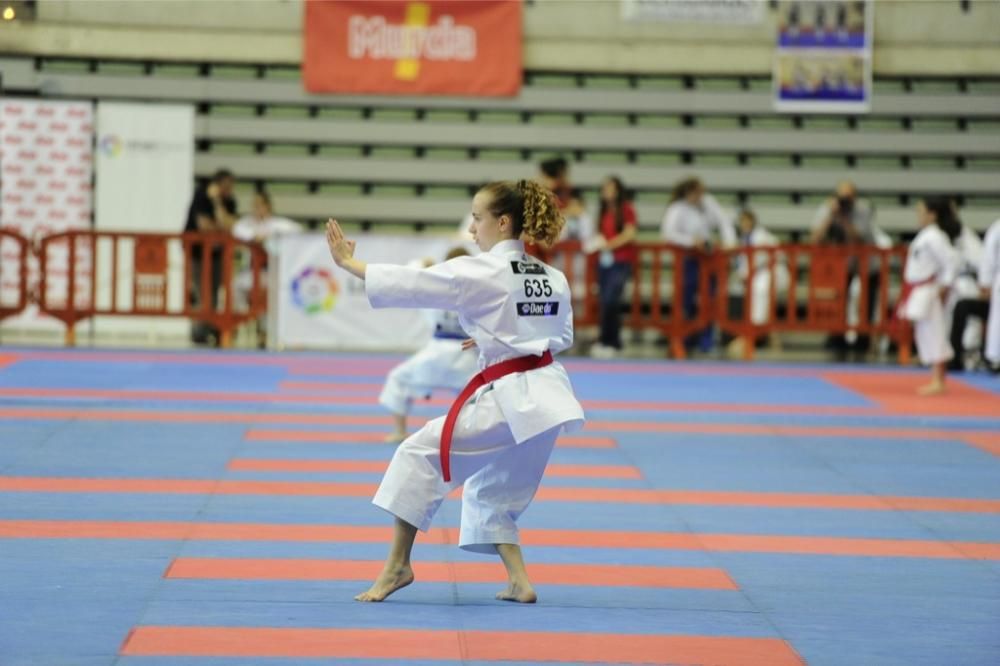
[
  {"x": 499, "y": 433},
  {"x": 931, "y": 266}
]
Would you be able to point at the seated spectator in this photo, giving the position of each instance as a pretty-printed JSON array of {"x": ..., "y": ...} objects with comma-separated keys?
[{"x": 262, "y": 226}]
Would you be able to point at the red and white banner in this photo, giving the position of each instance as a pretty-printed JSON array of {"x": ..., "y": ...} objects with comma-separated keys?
[
  {"x": 46, "y": 149},
  {"x": 395, "y": 47}
]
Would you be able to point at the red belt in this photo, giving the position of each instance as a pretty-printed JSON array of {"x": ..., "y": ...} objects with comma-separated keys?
[
  {"x": 490, "y": 374},
  {"x": 908, "y": 288}
]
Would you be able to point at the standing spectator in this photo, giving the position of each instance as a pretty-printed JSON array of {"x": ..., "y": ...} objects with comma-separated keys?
[
  {"x": 689, "y": 221},
  {"x": 212, "y": 209},
  {"x": 262, "y": 225},
  {"x": 843, "y": 219},
  {"x": 931, "y": 266},
  {"x": 846, "y": 221},
  {"x": 616, "y": 243}
]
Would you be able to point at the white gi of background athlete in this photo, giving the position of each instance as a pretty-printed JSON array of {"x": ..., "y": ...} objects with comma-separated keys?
[
  {"x": 989, "y": 279},
  {"x": 511, "y": 305},
  {"x": 763, "y": 273},
  {"x": 440, "y": 364},
  {"x": 931, "y": 255},
  {"x": 969, "y": 247}
]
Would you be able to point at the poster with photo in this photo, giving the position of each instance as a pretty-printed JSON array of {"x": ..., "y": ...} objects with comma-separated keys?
[{"x": 823, "y": 56}]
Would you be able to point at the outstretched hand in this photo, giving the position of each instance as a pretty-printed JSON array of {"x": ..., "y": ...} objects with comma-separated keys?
[{"x": 341, "y": 249}]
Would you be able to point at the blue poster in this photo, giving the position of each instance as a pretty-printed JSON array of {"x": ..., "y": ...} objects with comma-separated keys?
[{"x": 823, "y": 59}]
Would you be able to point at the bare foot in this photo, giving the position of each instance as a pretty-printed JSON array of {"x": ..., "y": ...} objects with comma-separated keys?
[
  {"x": 387, "y": 582},
  {"x": 522, "y": 593},
  {"x": 395, "y": 438},
  {"x": 934, "y": 388}
]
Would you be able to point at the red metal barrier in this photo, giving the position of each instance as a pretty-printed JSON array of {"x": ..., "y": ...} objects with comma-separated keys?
[
  {"x": 827, "y": 273},
  {"x": 580, "y": 270},
  {"x": 98, "y": 276},
  {"x": 815, "y": 298},
  {"x": 654, "y": 282},
  {"x": 13, "y": 252},
  {"x": 812, "y": 298}
]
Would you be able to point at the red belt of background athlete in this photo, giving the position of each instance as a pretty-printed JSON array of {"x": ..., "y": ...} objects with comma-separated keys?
[
  {"x": 908, "y": 287},
  {"x": 490, "y": 374}
]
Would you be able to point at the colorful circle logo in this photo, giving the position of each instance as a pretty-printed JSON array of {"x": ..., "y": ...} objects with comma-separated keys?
[
  {"x": 110, "y": 145},
  {"x": 314, "y": 290}
]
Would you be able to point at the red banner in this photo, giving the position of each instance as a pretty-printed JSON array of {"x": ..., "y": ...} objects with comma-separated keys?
[{"x": 396, "y": 47}]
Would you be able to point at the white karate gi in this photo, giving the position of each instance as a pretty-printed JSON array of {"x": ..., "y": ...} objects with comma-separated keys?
[
  {"x": 989, "y": 278},
  {"x": 441, "y": 364},
  {"x": 690, "y": 226},
  {"x": 931, "y": 255},
  {"x": 763, "y": 273},
  {"x": 970, "y": 255},
  {"x": 512, "y": 306}
]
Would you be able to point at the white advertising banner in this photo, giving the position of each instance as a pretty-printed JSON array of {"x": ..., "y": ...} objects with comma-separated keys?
[
  {"x": 145, "y": 173},
  {"x": 694, "y": 11},
  {"x": 46, "y": 153},
  {"x": 145, "y": 166},
  {"x": 321, "y": 306}
]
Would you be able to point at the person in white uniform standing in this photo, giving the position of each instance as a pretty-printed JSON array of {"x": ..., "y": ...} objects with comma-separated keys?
[
  {"x": 767, "y": 267},
  {"x": 499, "y": 433},
  {"x": 931, "y": 268},
  {"x": 989, "y": 282},
  {"x": 964, "y": 300},
  {"x": 443, "y": 363}
]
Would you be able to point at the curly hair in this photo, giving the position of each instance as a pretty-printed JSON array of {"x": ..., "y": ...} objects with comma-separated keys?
[{"x": 532, "y": 209}]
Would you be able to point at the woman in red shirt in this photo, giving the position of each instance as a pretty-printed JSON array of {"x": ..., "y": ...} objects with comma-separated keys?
[{"x": 616, "y": 241}]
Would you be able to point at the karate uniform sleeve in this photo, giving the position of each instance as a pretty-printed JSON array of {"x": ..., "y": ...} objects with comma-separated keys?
[
  {"x": 989, "y": 265},
  {"x": 392, "y": 286}
]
